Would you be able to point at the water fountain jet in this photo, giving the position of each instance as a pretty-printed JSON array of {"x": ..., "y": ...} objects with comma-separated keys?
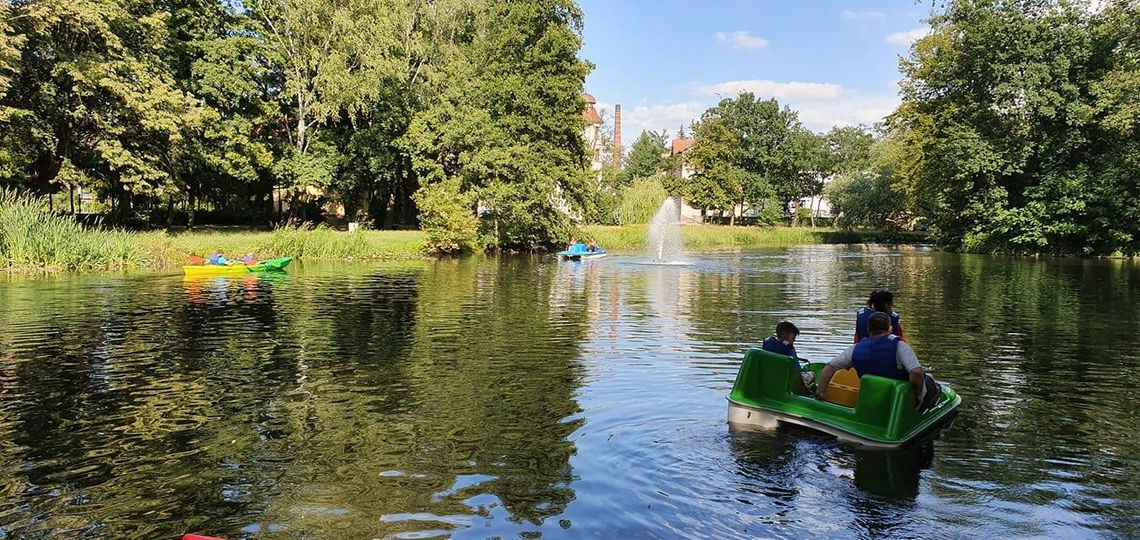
[{"x": 664, "y": 237}]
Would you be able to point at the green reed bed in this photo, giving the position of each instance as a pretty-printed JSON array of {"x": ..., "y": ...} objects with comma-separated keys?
[
  {"x": 35, "y": 240},
  {"x": 303, "y": 243}
]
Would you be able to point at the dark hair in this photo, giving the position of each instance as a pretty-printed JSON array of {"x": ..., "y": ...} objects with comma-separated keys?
[
  {"x": 787, "y": 329},
  {"x": 878, "y": 323},
  {"x": 879, "y": 300}
]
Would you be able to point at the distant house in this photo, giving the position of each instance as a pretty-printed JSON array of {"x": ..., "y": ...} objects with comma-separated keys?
[
  {"x": 593, "y": 133},
  {"x": 685, "y": 170}
]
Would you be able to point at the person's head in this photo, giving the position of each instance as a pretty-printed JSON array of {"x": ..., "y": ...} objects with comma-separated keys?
[
  {"x": 881, "y": 301},
  {"x": 878, "y": 324},
  {"x": 787, "y": 331}
]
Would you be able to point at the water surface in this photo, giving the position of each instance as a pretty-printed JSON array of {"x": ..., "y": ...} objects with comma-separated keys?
[{"x": 520, "y": 397}]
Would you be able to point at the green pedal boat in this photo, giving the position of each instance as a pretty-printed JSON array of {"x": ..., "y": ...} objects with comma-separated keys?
[{"x": 769, "y": 391}]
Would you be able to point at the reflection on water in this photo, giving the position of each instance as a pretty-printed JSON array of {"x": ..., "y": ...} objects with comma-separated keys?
[{"x": 520, "y": 396}]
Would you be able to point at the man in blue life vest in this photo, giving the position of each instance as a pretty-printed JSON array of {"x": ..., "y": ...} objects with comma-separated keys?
[
  {"x": 885, "y": 355},
  {"x": 784, "y": 343}
]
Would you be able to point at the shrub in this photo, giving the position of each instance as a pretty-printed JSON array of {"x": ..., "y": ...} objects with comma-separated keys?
[
  {"x": 640, "y": 201},
  {"x": 447, "y": 218}
]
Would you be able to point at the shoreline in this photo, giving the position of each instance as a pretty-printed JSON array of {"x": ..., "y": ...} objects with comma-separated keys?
[
  {"x": 162, "y": 250},
  {"x": 621, "y": 238}
]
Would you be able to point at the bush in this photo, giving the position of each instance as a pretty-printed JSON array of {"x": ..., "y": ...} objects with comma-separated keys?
[
  {"x": 447, "y": 218},
  {"x": 640, "y": 201}
]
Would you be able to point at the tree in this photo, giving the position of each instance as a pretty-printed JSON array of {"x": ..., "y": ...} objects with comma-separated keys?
[
  {"x": 94, "y": 102},
  {"x": 334, "y": 58},
  {"x": 509, "y": 124},
  {"x": 648, "y": 156},
  {"x": 1009, "y": 113},
  {"x": 749, "y": 151},
  {"x": 866, "y": 198},
  {"x": 9, "y": 50},
  {"x": 718, "y": 182},
  {"x": 849, "y": 149}
]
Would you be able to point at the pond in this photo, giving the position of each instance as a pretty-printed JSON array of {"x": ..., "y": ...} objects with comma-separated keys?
[{"x": 524, "y": 397}]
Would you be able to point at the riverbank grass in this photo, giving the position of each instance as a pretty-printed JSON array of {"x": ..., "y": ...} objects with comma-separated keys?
[
  {"x": 714, "y": 237},
  {"x": 34, "y": 240}
]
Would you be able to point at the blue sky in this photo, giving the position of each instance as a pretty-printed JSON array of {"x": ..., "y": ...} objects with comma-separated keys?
[{"x": 666, "y": 61}]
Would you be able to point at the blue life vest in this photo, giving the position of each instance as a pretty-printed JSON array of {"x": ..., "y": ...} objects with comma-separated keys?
[
  {"x": 864, "y": 315},
  {"x": 877, "y": 356},
  {"x": 217, "y": 259},
  {"x": 772, "y": 344}
]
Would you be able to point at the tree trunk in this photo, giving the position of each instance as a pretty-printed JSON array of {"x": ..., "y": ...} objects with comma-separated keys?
[
  {"x": 71, "y": 197},
  {"x": 191, "y": 206}
]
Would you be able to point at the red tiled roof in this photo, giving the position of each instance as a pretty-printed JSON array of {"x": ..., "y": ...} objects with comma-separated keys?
[
  {"x": 589, "y": 99},
  {"x": 590, "y": 114},
  {"x": 680, "y": 145}
]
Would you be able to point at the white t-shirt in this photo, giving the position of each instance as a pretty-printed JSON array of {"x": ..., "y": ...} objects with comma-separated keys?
[{"x": 904, "y": 356}]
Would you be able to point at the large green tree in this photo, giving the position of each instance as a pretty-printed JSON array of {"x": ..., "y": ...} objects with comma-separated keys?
[
  {"x": 754, "y": 152},
  {"x": 508, "y": 126},
  {"x": 648, "y": 156},
  {"x": 94, "y": 103},
  {"x": 335, "y": 57},
  {"x": 1012, "y": 112}
]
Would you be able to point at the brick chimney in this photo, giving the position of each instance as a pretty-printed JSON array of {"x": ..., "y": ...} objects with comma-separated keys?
[{"x": 617, "y": 137}]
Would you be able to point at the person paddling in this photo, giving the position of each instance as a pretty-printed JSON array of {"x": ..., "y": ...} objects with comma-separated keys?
[
  {"x": 879, "y": 301},
  {"x": 248, "y": 260},
  {"x": 218, "y": 258},
  {"x": 886, "y": 355}
]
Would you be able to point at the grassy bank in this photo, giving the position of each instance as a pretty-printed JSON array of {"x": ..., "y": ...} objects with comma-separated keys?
[
  {"x": 632, "y": 237},
  {"x": 37, "y": 241},
  {"x": 88, "y": 249},
  {"x": 34, "y": 240}
]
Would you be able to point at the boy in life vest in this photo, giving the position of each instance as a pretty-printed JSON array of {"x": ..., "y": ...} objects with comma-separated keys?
[
  {"x": 886, "y": 355},
  {"x": 880, "y": 301},
  {"x": 784, "y": 343}
]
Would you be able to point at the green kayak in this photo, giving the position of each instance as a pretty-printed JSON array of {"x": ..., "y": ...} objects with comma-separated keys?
[
  {"x": 768, "y": 391},
  {"x": 268, "y": 265}
]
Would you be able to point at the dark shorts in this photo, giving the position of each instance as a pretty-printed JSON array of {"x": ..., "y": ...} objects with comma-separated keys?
[{"x": 933, "y": 392}]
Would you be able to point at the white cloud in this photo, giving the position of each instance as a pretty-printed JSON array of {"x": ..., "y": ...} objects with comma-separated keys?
[
  {"x": 659, "y": 117},
  {"x": 741, "y": 40},
  {"x": 908, "y": 37},
  {"x": 802, "y": 91},
  {"x": 864, "y": 16},
  {"x": 851, "y": 110},
  {"x": 821, "y": 106}
]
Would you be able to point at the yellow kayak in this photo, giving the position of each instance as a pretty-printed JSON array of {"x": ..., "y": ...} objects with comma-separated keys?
[{"x": 268, "y": 265}]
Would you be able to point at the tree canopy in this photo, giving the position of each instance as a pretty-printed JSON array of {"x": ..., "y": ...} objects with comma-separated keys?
[
  {"x": 1019, "y": 117},
  {"x": 167, "y": 107}
]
